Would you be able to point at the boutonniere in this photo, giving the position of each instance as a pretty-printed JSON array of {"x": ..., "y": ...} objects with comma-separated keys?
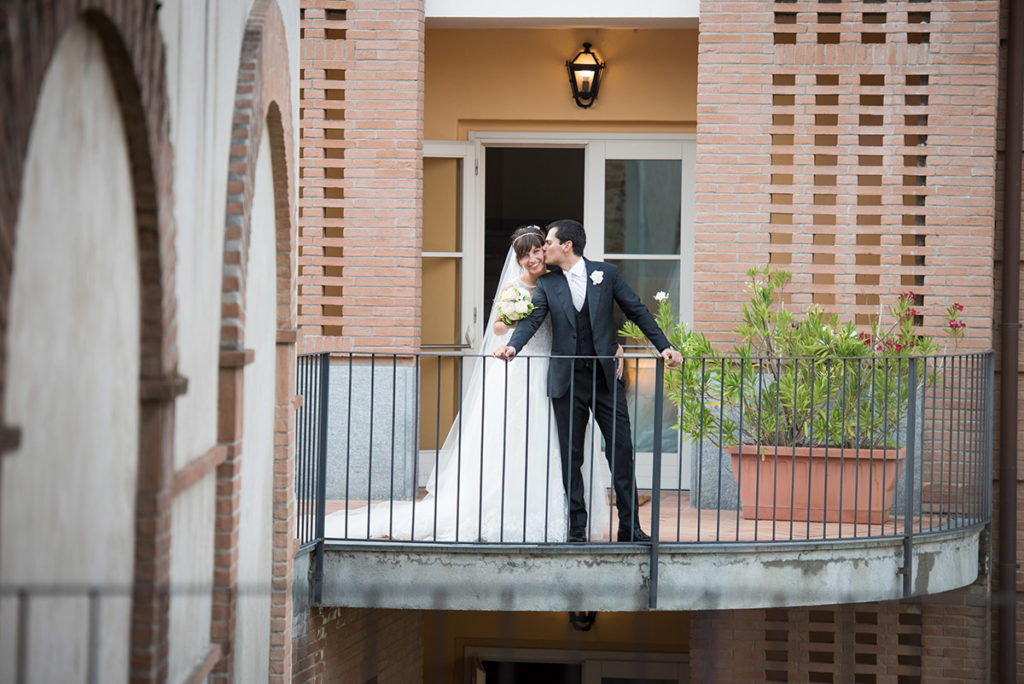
[{"x": 596, "y": 277}]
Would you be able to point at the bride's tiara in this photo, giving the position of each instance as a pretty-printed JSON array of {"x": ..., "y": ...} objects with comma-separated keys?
[{"x": 539, "y": 233}]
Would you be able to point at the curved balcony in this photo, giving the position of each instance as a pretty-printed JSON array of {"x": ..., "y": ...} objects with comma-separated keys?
[{"x": 866, "y": 479}]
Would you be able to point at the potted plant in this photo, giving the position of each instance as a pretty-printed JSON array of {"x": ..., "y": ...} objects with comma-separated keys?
[{"x": 811, "y": 411}]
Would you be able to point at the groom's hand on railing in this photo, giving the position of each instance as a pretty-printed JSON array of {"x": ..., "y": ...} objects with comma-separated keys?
[
  {"x": 504, "y": 353},
  {"x": 672, "y": 357}
]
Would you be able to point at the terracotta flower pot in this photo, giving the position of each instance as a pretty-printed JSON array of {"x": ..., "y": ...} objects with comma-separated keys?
[{"x": 820, "y": 484}]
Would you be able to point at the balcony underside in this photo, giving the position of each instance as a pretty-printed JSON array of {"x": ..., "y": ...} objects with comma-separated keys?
[{"x": 617, "y": 577}]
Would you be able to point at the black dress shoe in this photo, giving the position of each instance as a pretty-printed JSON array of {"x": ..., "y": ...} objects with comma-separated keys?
[
  {"x": 577, "y": 534},
  {"x": 634, "y": 535}
]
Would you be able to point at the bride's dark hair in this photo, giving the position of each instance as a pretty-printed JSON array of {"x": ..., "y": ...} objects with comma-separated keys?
[{"x": 525, "y": 238}]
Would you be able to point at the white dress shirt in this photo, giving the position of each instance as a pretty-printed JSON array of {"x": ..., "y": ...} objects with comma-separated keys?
[{"x": 577, "y": 279}]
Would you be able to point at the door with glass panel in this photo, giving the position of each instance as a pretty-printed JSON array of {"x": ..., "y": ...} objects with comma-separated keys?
[
  {"x": 447, "y": 314},
  {"x": 640, "y": 218}
]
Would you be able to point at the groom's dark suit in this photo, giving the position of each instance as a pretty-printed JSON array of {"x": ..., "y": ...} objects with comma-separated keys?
[{"x": 589, "y": 332}]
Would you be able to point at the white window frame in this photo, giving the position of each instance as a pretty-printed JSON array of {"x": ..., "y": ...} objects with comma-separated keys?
[{"x": 471, "y": 266}]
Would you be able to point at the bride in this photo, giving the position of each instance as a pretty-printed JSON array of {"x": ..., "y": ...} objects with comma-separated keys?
[{"x": 498, "y": 477}]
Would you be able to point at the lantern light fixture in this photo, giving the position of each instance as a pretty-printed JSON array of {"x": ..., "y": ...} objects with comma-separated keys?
[{"x": 585, "y": 76}]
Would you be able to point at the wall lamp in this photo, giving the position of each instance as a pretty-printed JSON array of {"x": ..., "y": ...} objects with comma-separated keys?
[
  {"x": 585, "y": 76},
  {"x": 582, "y": 621}
]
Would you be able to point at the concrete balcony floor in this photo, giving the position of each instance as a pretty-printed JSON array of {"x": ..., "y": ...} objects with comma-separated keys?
[{"x": 733, "y": 563}]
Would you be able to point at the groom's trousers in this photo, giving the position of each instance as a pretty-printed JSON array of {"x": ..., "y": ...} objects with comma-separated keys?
[{"x": 588, "y": 392}]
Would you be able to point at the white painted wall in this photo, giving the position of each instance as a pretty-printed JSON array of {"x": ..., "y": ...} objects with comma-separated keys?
[
  {"x": 257, "y": 473},
  {"x": 203, "y": 42},
  {"x": 191, "y": 573},
  {"x": 68, "y": 492}
]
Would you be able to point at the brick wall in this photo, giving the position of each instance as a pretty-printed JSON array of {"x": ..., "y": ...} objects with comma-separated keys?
[
  {"x": 358, "y": 645},
  {"x": 938, "y": 639},
  {"x": 850, "y": 143},
  {"x": 361, "y": 173},
  {"x": 853, "y": 144}
]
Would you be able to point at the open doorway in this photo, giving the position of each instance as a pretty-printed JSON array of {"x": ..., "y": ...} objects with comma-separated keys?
[{"x": 526, "y": 185}]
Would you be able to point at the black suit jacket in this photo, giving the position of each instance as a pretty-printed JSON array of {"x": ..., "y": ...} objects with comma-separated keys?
[{"x": 553, "y": 297}]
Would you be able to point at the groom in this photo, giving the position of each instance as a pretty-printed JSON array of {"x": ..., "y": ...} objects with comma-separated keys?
[{"x": 578, "y": 294}]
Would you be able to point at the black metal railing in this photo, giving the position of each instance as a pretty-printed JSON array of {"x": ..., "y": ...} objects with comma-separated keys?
[
  {"x": 311, "y": 421},
  {"x": 728, "y": 450}
]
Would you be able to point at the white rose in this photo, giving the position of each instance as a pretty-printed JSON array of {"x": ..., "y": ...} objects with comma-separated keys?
[
  {"x": 507, "y": 308},
  {"x": 661, "y": 295},
  {"x": 510, "y": 295},
  {"x": 522, "y": 307}
]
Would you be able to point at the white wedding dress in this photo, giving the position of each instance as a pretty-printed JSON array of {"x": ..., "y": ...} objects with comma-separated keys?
[{"x": 499, "y": 474}]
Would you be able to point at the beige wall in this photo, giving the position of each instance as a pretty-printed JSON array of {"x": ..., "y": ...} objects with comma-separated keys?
[
  {"x": 515, "y": 79},
  {"x": 68, "y": 491}
]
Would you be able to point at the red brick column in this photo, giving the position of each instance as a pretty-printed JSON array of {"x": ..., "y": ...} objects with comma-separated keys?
[{"x": 361, "y": 168}]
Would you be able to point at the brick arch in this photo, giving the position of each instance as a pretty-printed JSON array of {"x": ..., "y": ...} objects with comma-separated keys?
[
  {"x": 133, "y": 48},
  {"x": 262, "y": 102}
]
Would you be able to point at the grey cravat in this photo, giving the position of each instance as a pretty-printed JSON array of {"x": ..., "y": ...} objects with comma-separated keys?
[{"x": 578, "y": 287}]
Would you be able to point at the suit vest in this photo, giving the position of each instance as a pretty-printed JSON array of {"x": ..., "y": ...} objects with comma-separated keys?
[{"x": 584, "y": 332}]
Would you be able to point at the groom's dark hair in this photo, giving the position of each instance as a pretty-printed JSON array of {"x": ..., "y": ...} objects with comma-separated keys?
[{"x": 571, "y": 231}]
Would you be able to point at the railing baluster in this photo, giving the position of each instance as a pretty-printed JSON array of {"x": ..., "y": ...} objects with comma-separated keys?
[
  {"x": 593, "y": 453},
  {"x": 321, "y": 494},
  {"x": 369, "y": 441},
  {"x": 526, "y": 450},
  {"x": 458, "y": 454},
  {"x": 908, "y": 514},
  {"x": 609, "y": 445},
  {"x": 659, "y": 401},
  {"x": 739, "y": 471},
  {"x": 504, "y": 444},
  {"x": 391, "y": 483},
  {"x": 679, "y": 452},
  {"x": 480, "y": 487},
  {"x": 703, "y": 386},
  {"x": 416, "y": 443}
]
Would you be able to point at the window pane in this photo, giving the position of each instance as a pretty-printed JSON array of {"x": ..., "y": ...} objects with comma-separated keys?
[
  {"x": 642, "y": 202},
  {"x": 647, "y": 277}
]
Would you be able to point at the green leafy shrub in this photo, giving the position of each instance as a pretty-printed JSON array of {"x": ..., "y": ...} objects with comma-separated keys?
[{"x": 797, "y": 381}]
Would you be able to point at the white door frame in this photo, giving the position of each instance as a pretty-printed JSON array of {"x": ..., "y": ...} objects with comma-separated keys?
[{"x": 599, "y": 147}]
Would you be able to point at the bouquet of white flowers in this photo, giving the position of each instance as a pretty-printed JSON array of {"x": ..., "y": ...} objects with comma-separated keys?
[{"x": 514, "y": 305}]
